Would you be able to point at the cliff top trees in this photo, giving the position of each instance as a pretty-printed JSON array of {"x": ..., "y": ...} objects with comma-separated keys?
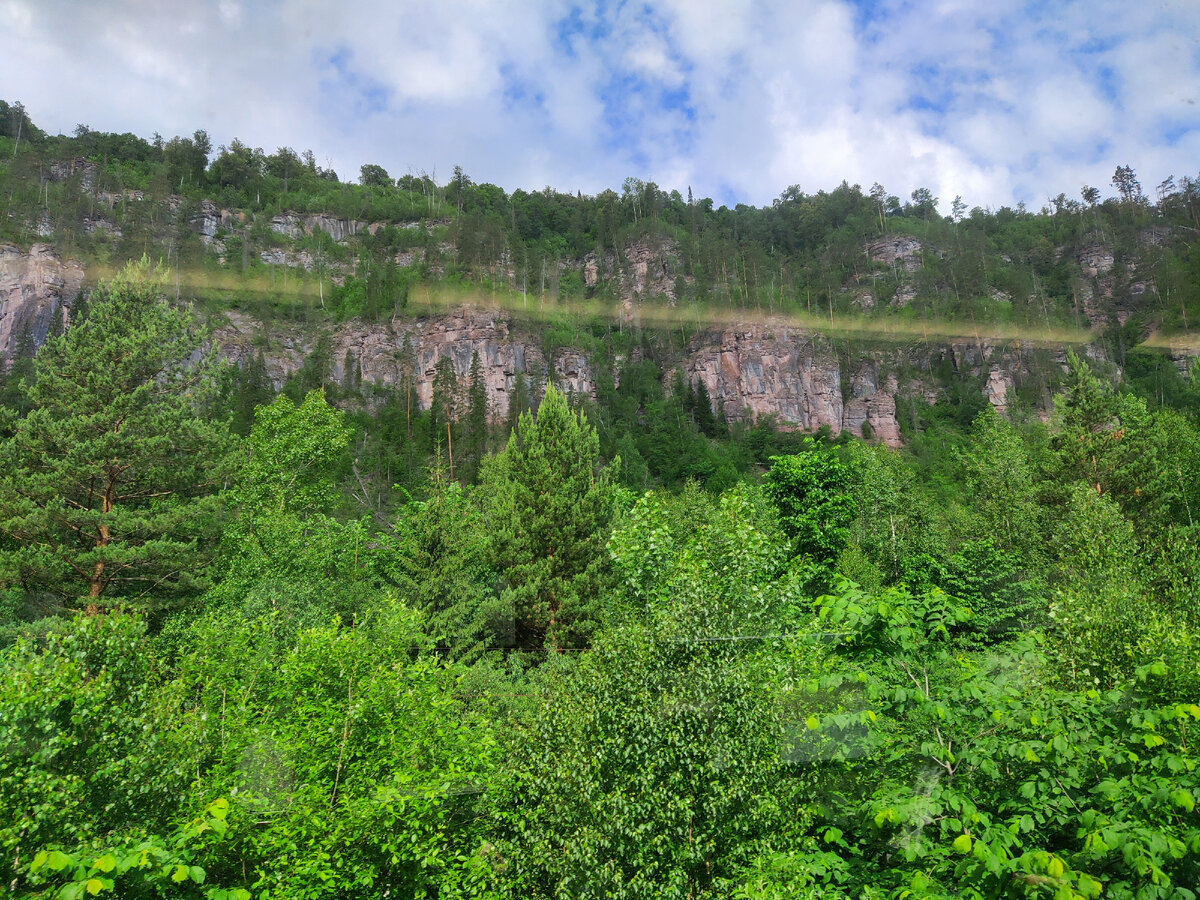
[{"x": 110, "y": 482}]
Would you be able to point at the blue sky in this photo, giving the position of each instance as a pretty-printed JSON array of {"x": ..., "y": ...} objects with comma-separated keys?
[{"x": 999, "y": 101}]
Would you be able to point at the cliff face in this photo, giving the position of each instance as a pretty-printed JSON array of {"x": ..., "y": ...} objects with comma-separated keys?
[
  {"x": 389, "y": 354},
  {"x": 752, "y": 370},
  {"x": 34, "y": 288}
]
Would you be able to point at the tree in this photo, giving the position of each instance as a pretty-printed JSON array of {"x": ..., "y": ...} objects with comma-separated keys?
[
  {"x": 283, "y": 164},
  {"x": 811, "y": 490},
  {"x": 294, "y": 454},
  {"x": 285, "y": 554},
  {"x": 999, "y": 478},
  {"x": 704, "y": 412},
  {"x": 1104, "y": 439},
  {"x": 112, "y": 482},
  {"x": 519, "y": 402},
  {"x": 957, "y": 208},
  {"x": 371, "y": 175},
  {"x": 551, "y": 510},
  {"x": 1127, "y": 185},
  {"x": 253, "y": 388},
  {"x": 879, "y": 196},
  {"x": 238, "y": 165},
  {"x": 477, "y": 414},
  {"x": 187, "y": 158},
  {"x": 444, "y": 405},
  {"x": 1091, "y": 195},
  {"x": 924, "y": 203},
  {"x": 19, "y": 114},
  {"x": 456, "y": 190}
]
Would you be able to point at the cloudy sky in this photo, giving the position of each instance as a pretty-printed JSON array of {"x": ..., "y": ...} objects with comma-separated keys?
[{"x": 998, "y": 101}]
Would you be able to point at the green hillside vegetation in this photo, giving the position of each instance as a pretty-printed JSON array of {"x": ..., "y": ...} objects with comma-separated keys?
[
  {"x": 803, "y": 254},
  {"x": 328, "y": 644}
]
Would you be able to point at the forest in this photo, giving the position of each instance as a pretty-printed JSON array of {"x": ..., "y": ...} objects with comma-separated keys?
[{"x": 284, "y": 641}]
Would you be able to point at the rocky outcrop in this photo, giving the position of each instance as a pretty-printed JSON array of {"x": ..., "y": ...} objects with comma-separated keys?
[
  {"x": 295, "y": 226},
  {"x": 407, "y": 353},
  {"x": 85, "y": 169},
  {"x": 753, "y": 372},
  {"x": 642, "y": 269},
  {"x": 277, "y": 257},
  {"x": 1095, "y": 261},
  {"x": 35, "y": 286},
  {"x": 894, "y": 251}
]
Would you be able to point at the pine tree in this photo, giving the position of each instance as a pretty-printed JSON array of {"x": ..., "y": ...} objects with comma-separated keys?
[
  {"x": 551, "y": 511},
  {"x": 111, "y": 482}
]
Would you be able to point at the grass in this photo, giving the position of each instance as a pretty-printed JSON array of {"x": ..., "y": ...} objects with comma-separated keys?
[{"x": 225, "y": 288}]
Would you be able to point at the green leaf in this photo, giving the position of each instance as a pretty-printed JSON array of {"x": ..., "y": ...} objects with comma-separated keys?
[
  {"x": 196, "y": 874},
  {"x": 106, "y": 863},
  {"x": 94, "y": 886},
  {"x": 57, "y": 860},
  {"x": 179, "y": 874},
  {"x": 812, "y": 724},
  {"x": 1183, "y": 799},
  {"x": 962, "y": 843}
]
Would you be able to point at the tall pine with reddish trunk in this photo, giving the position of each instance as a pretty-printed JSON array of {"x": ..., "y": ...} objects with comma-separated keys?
[{"x": 110, "y": 486}]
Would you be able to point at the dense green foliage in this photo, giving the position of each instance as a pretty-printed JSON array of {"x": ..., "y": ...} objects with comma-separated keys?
[
  {"x": 636, "y": 652},
  {"x": 1127, "y": 263},
  {"x": 109, "y": 479}
]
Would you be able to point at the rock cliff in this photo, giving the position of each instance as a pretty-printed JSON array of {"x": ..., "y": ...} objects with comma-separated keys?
[
  {"x": 751, "y": 369},
  {"x": 35, "y": 286}
]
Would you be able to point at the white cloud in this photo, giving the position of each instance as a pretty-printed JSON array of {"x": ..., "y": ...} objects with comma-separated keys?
[{"x": 998, "y": 102}]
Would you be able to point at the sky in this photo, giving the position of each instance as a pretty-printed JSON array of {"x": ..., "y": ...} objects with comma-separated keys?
[{"x": 996, "y": 101}]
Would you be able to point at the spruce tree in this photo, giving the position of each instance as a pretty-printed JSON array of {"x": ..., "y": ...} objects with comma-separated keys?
[
  {"x": 111, "y": 483},
  {"x": 443, "y": 408},
  {"x": 477, "y": 410},
  {"x": 704, "y": 411},
  {"x": 519, "y": 402},
  {"x": 253, "y": 389}
]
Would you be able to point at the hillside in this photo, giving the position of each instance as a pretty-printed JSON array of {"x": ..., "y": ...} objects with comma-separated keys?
[
  {"x": 427, "y": 540},
  {"x": 844, "y": 310}
]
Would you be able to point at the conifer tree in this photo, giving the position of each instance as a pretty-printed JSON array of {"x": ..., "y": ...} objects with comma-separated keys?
[
  {"x": 477, "y": 410},
  {"x": 110, "y": 484},
  {"x": 704, "y": 410},
  {"x": 253, "y": 389},
  {"x": 518, "y": 403},
  {"x": 551, "y": 510},
  {"x": 443, "y": 407}
]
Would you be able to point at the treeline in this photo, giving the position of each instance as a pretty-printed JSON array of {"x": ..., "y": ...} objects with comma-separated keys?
[
  {"x": 230, "y": 673},
  {"x": 806, "y": 251}
]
